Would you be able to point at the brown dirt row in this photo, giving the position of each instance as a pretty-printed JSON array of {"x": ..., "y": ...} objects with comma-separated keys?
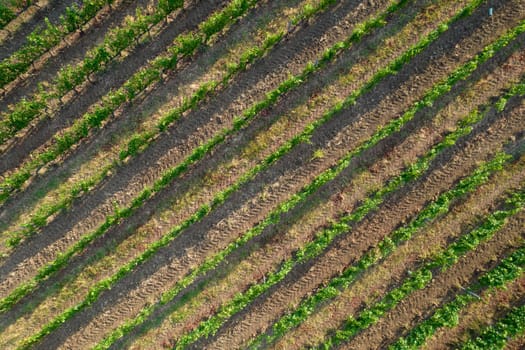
[
  {"x": 204, "y": 186},
  {"x": 25, "y": 15},
  {"x": 76, "y": 290},
  {"x": 347, "y": 250},
  {"x": 330, "y": 316},
  {"x": 37, "y": 137},
  {"x": 101, "y": 150},
  {"x": 191, "y": 18},
  {"x": 13, "y": 36},
  {"x": 206, "y": 248},
  {"x": 131, "y": 184},
  {"x": 288, "y": 239},
  {"x": 71, "y": 49},
  {"x": 477, "y": 315},
  {"x": 443, "y": 288},
  {"x": 214, "y": 239}
]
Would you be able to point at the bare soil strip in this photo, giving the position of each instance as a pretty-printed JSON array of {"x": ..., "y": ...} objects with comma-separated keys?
[
  {"x": 30, "y": 21},
  {"x": 219, "y": 237},
  {"x": 477, "y": 315},
  {"x": 71, "y": 49},
  {"x": 160, "y": 157},
  {"x": 310, "y": 222},
  {"x": 444, "y": 286},
  {"x": 118, "y": 256},
  {"x": 38, "y": 134},
  {"x": 377, "y": 280},
  {"x": 255, "y": 318}
]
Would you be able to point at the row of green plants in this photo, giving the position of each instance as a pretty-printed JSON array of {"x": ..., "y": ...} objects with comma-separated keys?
[
  {"x": 383, "y": 250},
  {"x": 6, "y": 15},
  {"x": 389, "y": 244},
  {"x": 271, "y": 98},
  {"x": 419, "y": 279},
  {"x": 141, "y": 140},
  {"x": 213, "y": 323},
  {"x": 314, "y": 248},
  {"x": 72, "y": 76},
  {"x": 220, "y": 198},
  {"x": 498, "y": 335},
  {"x": 185, "y": 45},
  {"x": 9, "y": 11},
  {"x": 39, "y": 219},
  {"x": 122, "y": 213},
  {"x": 506, "y": 272},
  {"x": 43, "y": 39},
  {"x": 203, "y": 211}
]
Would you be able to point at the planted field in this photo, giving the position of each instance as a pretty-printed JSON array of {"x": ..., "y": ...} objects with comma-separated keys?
[{"x": 262, "y": 174}]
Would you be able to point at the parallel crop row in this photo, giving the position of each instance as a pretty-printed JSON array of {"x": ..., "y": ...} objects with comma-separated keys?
[
  {"x": 497, "y": 335},
  {"x": 41, "y": 40},
  {"x": 507, "y": 271},
  {"x": 73, "y": 76},
  {"x": 421, "y": 278},
  {"x": 140, "y": 141},
  {"x": 243, "y": 299},
  {"x": 385, "y": 247}
]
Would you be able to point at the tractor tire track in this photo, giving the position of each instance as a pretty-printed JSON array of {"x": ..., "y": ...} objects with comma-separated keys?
[
  {"x": 444, "y": 286},
  {"x": 347, "y": 250},
  {"x": 115, "y": 74},
  {"x": 214, "y": 240},
  {"x": 477, "y": 314},
  {"x": 158, "y": 158}
]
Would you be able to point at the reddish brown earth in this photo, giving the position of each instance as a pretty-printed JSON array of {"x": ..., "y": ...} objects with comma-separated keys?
[{"x": 255, "y": 199}]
